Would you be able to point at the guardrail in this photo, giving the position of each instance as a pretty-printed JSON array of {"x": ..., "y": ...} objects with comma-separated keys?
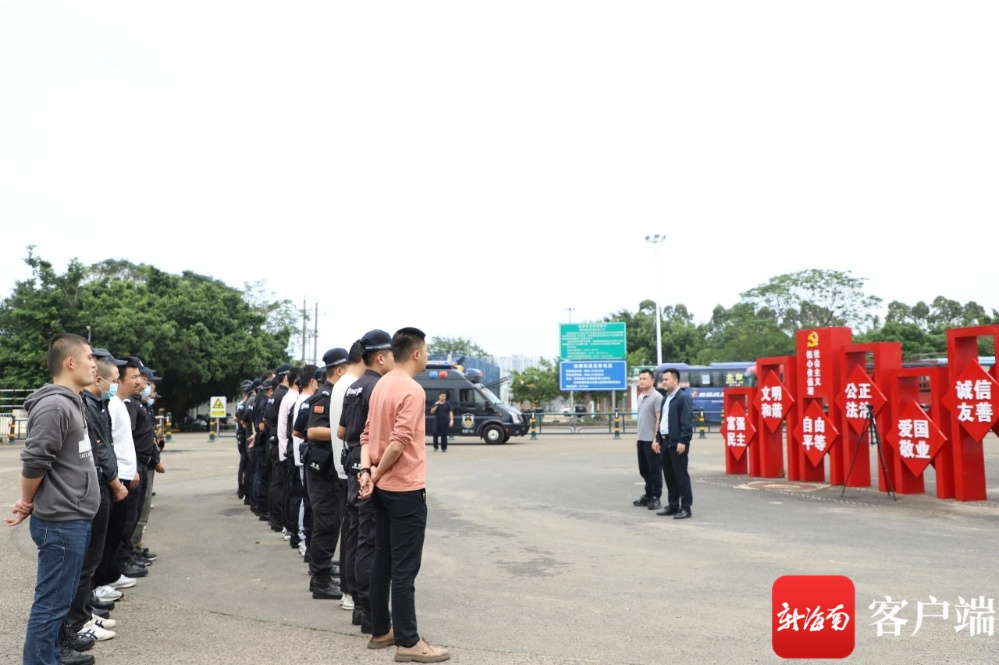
[{"x": 607, "y": 422}]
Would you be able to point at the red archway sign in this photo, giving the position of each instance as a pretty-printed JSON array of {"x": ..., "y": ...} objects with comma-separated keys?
[
  {"x": 858, "y": 392},
  {"x": 773, "y": 400},
  {"x": 974, "y": 401},
  {"x": 816, "y": 431},
  {"x": 915, "y": 437},
  {"x": 737, "y": 430}
]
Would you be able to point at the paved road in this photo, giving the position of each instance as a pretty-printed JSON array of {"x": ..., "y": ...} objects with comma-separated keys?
[{"x": 534, "y": 554}]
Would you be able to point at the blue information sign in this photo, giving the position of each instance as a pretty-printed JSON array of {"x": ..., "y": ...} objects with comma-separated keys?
[{"x": 592, "y": 375}]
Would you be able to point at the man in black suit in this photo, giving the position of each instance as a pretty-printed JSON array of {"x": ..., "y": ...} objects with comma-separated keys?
[{"x": 675, "y": 429}]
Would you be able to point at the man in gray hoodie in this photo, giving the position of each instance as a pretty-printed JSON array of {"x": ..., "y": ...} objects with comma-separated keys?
[{"x": 59, "y": 491}]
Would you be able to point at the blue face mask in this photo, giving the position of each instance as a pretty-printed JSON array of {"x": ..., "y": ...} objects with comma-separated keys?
[
  {"x": 146, "y": 391},
  {"x": 149, "y": 401},
  {"x": 111, "y": 392}
]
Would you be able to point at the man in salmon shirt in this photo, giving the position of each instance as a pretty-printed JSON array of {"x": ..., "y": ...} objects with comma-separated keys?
[{"x": 393, "y": 475}]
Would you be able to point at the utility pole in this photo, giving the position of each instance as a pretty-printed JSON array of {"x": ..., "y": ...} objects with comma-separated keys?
[
  {"x": 570, "y": 310},
  {"x": 305, "y": 319},
  {"x": 315, "y": 337}
]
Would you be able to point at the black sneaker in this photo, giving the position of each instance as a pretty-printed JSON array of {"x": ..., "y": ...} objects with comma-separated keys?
[
  {"x": 75, "y": 641},
  {"x": 134, "y": 571},
  {"x": 654, "y": 504},
  {"x": 356, "y": 618},
  {"x": 641, "y": 501},
  {"x": 326, "y": 589},
  {"x": 68, "y": 656},
  {"x": 147, "y": 554},
  {"x": 366, "y": 625}
]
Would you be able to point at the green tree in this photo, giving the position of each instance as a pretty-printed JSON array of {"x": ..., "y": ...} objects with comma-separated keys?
[
  {"x": 743, "y": 333},
  {"x": 536, "y": 384},
  {"x": 816, "y": 299},
  {"x": 458, "y": 346},
  {"x": 680, "y": 336},
  {"x": 201, "y": 335}
]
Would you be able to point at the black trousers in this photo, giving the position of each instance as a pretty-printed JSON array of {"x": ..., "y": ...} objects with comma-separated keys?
[
  {"x": 677, "y": 478},
  {"x": 400, "y": 528},
  {"x": 294, "y": 488},
  {"x": 241, "y": 470},
  {"x": 79, "y": 610},
  {"x": 133, "y": 509},
  {"x": 276, "y": 500},
  {"x": 440, "y": 432},
  {"x": 109, "y": 569},
  {"x": 327, "y": 515},
  {"x": 262, "y": 478},
  {"x": 360, "y": 544},
  {"x": 650, "y": 467}
]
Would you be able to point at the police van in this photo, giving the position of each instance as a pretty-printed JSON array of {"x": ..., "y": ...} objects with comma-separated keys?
[{"x": 476, "y": 410}]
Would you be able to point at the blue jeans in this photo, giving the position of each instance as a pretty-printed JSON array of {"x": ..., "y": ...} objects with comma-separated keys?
[{"x": 61, "y": 547}]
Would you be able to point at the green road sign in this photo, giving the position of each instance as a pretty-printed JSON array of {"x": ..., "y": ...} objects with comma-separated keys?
[{"x": 603, "y": 340}]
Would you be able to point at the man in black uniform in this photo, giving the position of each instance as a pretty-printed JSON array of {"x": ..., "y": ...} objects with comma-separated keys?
[
  {"x": 147, "y": 456},
  {"x": 275, "y": 489},
  {"x": 327, "y": 511},
  {"x": 246, "y": 425},
  {"x": 241, "y": 439},
  {"x": 377, "y": 356},
  {"x": 261, "y": 462}
]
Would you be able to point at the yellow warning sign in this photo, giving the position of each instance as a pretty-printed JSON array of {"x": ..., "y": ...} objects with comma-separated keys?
[{"x": 216, "y": 407}]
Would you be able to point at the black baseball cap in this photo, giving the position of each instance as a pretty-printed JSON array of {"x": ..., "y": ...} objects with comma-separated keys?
[
  {"x": 283, "y": 370},
  {"x": 321, "y": 374},
  {"x": 150, "y": 374},
  {"x": 254, "y": 384},
  {"x": 267, "y": 385},
  {"x": 376, "y": 340},
  {"x": 335, "y": 357},
  {"x": 104, "y": 354}
]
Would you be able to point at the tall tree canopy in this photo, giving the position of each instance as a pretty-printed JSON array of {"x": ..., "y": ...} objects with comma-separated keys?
[
  {"x": 458, "y": 346},
  {"x": 816, "y": 299},
  {"x": 200, "y": 335}
]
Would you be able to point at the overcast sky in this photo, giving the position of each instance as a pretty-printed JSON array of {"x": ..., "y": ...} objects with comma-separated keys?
[{"x": 475, "y": 169}]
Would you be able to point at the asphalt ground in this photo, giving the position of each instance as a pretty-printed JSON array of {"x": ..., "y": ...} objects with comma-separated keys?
[{"x": 535, "y": 554}]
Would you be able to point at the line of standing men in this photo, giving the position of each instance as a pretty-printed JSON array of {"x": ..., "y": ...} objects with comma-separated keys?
[
  {"x": 335, "y": 457},
  {"x": 90, "y": 447}
]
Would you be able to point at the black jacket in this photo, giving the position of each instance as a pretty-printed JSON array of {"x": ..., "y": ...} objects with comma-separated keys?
[
  {"x": 680, "y": 419},
  {"x": 99, "y": 423}
]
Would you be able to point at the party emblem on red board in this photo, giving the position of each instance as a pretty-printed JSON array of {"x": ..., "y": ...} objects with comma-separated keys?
[
  {"x": 737, "y": 430},
  {"x": 859, "y": 392},
  {"x": 773, "y": 401},
  {"x": 973, "y": 400},
  {"x": 816, "y": 432},
  {"x": 916, "y": 438}
]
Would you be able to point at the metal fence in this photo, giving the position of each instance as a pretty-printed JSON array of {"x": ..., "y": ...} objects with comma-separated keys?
[{"x": 606, "y": 422}]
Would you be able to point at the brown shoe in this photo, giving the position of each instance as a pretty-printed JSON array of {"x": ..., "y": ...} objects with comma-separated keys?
[
  {"x": 421, "y": 652},
  {"x": 386, "y": 640}
]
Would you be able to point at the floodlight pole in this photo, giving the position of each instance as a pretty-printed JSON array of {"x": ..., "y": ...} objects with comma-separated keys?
[{"x": 655, "y": 241}]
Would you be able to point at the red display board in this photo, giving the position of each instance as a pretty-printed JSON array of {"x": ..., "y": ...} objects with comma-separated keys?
[
  {"x": 775, "y": 404},
  {"x": 972, "y": 402},
  {"x": 819, "y": 362},
  {"x": 738, "y": 429}
]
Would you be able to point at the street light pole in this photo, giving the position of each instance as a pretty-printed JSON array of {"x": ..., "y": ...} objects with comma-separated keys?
[
  {"x": 569, "y": 309},
  {"x": 655, "y": 241}
]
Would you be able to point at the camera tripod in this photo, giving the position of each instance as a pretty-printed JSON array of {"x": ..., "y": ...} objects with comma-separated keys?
[{"x": 871, "y": 430}]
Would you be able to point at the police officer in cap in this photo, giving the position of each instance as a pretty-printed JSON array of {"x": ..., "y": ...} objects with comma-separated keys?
[
  {"x": 275, "y": 492},
  {"x": 323, "y": 482},
  {"x": 378, "y": 361},
  {"x": 261, "y": 462},
  {"x": 245, "y": 386},
  {"x": 246, "y": 425}
]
